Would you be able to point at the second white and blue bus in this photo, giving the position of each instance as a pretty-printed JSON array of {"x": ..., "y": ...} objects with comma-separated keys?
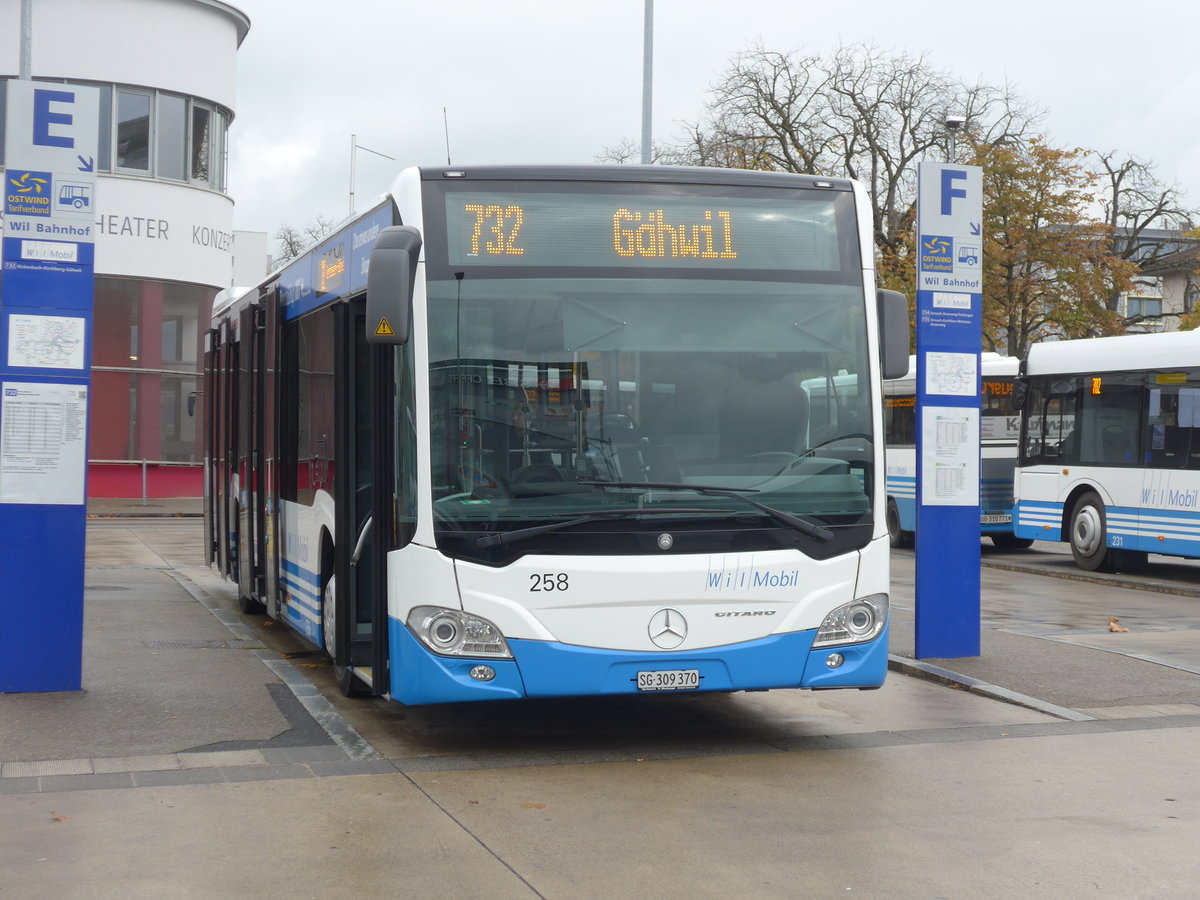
[{"x": 1110, "y": 455}]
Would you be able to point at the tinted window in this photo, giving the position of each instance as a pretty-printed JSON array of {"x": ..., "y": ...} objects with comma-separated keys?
[{"x": 133, "y": 130}]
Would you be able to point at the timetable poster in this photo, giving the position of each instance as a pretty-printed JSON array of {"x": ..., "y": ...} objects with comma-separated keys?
[
  {"x": 43, "y": 443},
  {"x": 950, "y": 456}
]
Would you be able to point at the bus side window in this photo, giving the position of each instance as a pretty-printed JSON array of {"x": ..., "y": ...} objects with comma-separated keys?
[
  {"x": 1109, "y": 423},
  {"x": 1170, "y": 433},
  {"x": 1051, "y": 433}
]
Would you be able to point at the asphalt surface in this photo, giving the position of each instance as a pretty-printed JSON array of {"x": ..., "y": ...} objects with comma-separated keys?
[
  {"x": 210, "y": 755},
  {"x": 151, "y": 605}
]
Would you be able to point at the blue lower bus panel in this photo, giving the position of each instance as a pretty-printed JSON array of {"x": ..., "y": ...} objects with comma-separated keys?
[{"x": 549, "y": 669}]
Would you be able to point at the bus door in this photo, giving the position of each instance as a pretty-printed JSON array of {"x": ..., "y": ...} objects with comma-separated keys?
[
  {"x": 362, "y": 483},
  {"x": 251, "y": 458},
  {"x": 225, "y": 472},
  {"x": 212, "y": 444}
]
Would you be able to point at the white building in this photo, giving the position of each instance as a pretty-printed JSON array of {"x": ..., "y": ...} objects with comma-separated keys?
[{"x": 166, "y": 72}]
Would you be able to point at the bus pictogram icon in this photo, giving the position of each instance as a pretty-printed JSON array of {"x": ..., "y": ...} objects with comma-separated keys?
[{"x": 76, "y": 196}]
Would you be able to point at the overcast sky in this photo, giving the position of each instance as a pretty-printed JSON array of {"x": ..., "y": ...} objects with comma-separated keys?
[{"x": 556, "y": 81}]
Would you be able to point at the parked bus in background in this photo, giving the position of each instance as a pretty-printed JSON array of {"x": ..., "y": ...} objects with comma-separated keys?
[
  {"x": 1110, "y": 452},
  {"x": 542, "y": 431},
  {"x": 999, "y": 430}
]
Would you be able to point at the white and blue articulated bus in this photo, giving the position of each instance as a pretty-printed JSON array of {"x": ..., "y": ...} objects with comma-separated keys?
[
  {"x": 999, "y": 430},
  {"x": 544, "y": 431},
  {"x": 1110, "y": 453}
]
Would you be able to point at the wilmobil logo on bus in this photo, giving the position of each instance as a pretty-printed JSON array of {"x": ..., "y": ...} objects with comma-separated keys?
[
  {"x": 753, "y": 578},
  {"x": 1172, "y": 497}
]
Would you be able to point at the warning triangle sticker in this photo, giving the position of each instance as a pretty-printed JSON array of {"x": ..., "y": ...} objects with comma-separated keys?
[{"x": 384, "y": 329}]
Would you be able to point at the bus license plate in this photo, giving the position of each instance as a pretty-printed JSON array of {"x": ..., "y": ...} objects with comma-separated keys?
[
  {"x": 669, "y": 680},
  {"x": 996, "y": 519}
]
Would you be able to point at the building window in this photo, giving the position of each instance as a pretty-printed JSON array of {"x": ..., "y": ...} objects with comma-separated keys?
[
  {"x": 133, "y": 131},
  {"x": 1143, "y": 306},
  {"x": 217, "y": 146},
  {"x": 104, "y": 147},
  {"x": 172, "y": 339},
  {"x": 171, "y": 133},
  {"x": 147, "y": 345},
  {"x": 201, "y": 143}
]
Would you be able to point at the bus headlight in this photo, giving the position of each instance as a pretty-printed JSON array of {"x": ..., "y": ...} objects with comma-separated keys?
[
  {"x": 855, "y": 622},
  {"x": 451, "y": 632}
]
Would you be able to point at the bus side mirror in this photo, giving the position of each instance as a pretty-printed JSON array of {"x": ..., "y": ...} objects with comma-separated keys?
[
  {"x": 191, "y": 405},
  {"x": 390, "y": 280},
  {"x": 893, "y": 332},
  {"x": 1020, "y": 389}
]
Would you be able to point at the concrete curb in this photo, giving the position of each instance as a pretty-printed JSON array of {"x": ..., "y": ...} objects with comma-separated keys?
[
  {"x": 1140, "y": 584},
  {"x": 929, "y": 672}
]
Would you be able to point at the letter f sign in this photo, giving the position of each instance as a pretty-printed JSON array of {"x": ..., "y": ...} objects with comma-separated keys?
[{"x": 949, "y": 191}]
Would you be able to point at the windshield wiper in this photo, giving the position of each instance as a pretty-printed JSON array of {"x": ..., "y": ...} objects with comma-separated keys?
[
  {"x": 804, "y": 526},
  {"x": 501, "y": 538}
]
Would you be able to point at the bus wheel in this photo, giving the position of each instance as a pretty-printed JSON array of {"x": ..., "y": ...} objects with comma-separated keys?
[
  {"x": 329, "y": 616},
  {"x": 1005, "y": 540},
  {"x": 250, "y": 606},
  {"x": 1089, "y": 532},
  {"x": 896, "y": 535},
  {"x": 348, "y": 684}
]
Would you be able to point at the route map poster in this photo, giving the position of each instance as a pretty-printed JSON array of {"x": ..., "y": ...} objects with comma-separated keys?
[{"x": 46, "y": 342}]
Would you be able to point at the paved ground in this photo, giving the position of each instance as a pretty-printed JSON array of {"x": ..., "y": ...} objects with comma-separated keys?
[{"x": 210, "y": 755}]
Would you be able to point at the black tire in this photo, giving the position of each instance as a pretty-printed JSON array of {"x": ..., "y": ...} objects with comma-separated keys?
[
  {"x": 897, "y": 536},
  {"x": 250, "y": 606},
  {"x": 328, "y": 598},
  {"x": 1006, "y": 540},
  {"x": 1131, "y": 561},
  {"x": 348, "y": 684},
  {"x": 1089, "y": 532}
]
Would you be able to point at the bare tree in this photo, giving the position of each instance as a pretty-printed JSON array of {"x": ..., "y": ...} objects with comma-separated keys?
[
  {"x": 629, "y": 152},
  {"x": 1147, "y": 222},
  {"x": 292, "y": 241},
  {"x": 622, "y": 153},
  {"x": 860, "y": 112}
]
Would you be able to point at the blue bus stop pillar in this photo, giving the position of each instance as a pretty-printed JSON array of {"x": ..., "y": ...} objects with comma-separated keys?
[
  {"x": 949, "y": 328},
  {"x": 46, "y": 299}
]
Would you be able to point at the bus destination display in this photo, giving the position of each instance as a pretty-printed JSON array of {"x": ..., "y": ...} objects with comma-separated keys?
[{"x": 616, "y": 231}]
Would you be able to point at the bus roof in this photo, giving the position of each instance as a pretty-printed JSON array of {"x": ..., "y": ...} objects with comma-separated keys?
[
  {"x": 227, "y": 298},
  {"x": 990, "y": 363},
  {"x": 1126, "y": 353},
  {"x": 634, "y": 174}
]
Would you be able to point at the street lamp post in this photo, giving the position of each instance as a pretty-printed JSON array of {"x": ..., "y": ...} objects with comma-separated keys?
[
  {"x": 25, "y": 70},
  {"x": 354, "y": 148},
  {"x": 647, "y": 80},
  {"x": 953, "y": 123}
]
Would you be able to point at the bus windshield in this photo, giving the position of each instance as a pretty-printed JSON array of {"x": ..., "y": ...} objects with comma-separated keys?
[
  {"x": 585, "y": 389},
  {"x": 539, "y": 384}
]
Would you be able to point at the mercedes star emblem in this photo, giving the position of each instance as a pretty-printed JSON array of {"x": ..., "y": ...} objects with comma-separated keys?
[{"x": 668, "y": 628}]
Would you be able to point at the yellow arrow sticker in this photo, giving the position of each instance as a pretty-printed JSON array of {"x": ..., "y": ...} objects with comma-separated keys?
[{"x": 384, "y": 329}]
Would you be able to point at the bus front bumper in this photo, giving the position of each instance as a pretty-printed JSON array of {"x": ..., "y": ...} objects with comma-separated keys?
[{"x": 550, "y": 669}]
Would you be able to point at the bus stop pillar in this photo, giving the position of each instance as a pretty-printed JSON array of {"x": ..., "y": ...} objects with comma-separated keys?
[
  {"x": 949, "y": 328},
  {"x": 46, "y": 298}
]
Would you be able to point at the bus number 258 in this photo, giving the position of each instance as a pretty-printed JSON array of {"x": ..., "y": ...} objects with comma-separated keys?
[{"x": 549, "y": 581}]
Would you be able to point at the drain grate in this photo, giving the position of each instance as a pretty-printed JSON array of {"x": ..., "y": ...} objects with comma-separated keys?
[
  {"x": 105, "y": 587},
  {"x": 186, "y": 645}
]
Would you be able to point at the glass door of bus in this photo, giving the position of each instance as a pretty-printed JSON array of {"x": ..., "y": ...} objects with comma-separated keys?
[{"x": 363, "y": 489}]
